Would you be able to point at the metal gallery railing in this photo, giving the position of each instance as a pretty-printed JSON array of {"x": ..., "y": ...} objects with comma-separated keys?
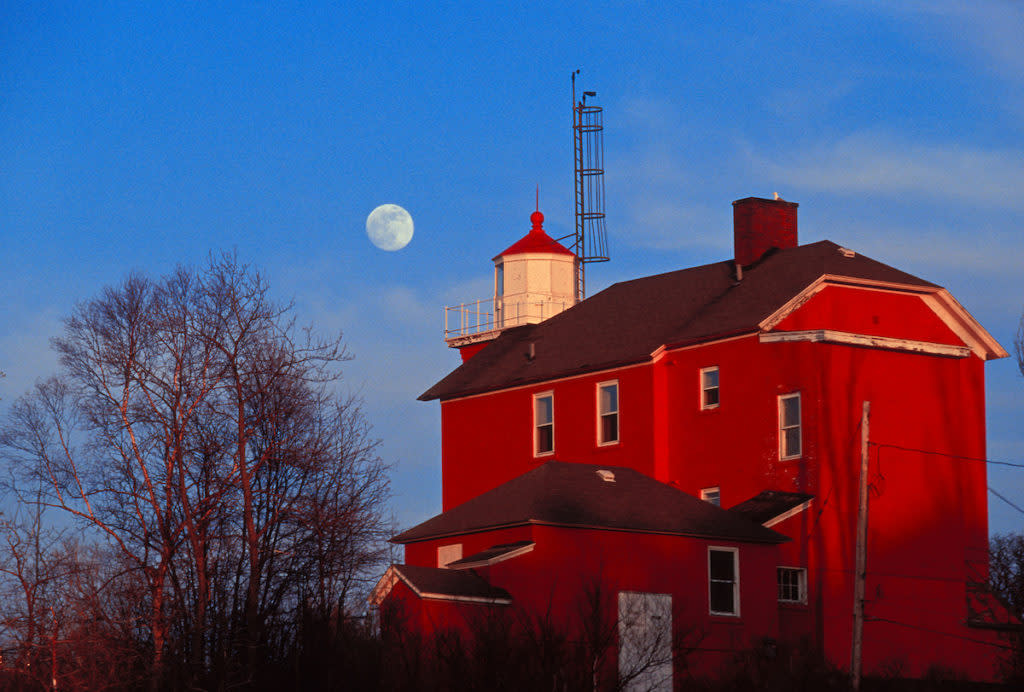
[{"x": 488, "y": 315}]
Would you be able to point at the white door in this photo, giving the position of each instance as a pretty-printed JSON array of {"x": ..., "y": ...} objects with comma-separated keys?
[{"x": 645, "y": 641}]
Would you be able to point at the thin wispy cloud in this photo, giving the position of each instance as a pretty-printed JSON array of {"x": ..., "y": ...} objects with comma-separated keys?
[
  {"x": 795, "y": 103},
  {"x": 25, "y": 345},
  {"x": 884, "y": 165},
  {"x": 994, "y": 30},
  {"x": 653, "y": 179},
  {"x": 986, "y": 251}
]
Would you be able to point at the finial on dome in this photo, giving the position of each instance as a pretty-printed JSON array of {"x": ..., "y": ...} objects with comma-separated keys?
[{"x": 536, "y": 218}]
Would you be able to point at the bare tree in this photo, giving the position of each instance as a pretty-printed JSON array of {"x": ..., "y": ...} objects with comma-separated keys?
[
  {"x": 197, "y": 431},
  {"x": 1006, "y": 582}
]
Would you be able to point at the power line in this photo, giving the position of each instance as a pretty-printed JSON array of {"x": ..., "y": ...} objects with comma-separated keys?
[
  {"x": 945, "y": 454},
  {"x": 959, "y": 457},
  {"x": 1004, "y": 499}
]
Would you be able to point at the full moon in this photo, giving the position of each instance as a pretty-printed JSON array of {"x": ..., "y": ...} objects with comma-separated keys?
[{"x": 389, "y": 227}]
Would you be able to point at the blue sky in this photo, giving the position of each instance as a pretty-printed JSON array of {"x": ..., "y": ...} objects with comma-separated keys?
[{"x": 138, "y": 138}]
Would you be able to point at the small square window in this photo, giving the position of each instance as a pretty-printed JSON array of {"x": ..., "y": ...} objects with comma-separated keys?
[
  {"x": 792, "y": 585},
  {"x": 544, "y": 424},
  {"x": 789, "y": 426},
  {"x": 607, "y": 413},
  {"x": 723, "y": 581},
  {"x": 712, "y": 495},
  {"x": 709, "y": 388}
]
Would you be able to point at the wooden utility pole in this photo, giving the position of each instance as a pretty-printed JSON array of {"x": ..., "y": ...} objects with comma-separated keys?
[{"x": 860, "y": 576}]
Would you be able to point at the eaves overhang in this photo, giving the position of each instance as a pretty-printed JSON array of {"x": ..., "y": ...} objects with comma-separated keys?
[
  {"x": 519, "y": 383},
  {"x": 836, "y": 337},
  {"x": 777, "y": 538},
  {"x": 394, "y": 574}
]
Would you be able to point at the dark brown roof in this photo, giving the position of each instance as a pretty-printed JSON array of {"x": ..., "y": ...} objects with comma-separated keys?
[
  {"x": 769, "y": 504},
  {"x": 435, "y": 582},
  {"x": 496, "y": 553},
  {"x": 628, "y": 321},
  {"x": 575, "y": 495}
]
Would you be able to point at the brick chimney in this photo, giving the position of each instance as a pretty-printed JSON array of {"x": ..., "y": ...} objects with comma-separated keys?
[{"x": 761, "y": 224}]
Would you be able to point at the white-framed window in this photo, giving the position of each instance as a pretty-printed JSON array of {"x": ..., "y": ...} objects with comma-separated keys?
[
  {"x": 447, "y": 554},
  {"x": 789, "y": 426},
  {"x": 543, "y": 424},
  {"x": 724, "y": 581},
  {"x": 709, "y": 387},
  {"x": 712, "y": 495},
  {"x": 608, "y": 412},
  {"x": 792, "y": 584}
]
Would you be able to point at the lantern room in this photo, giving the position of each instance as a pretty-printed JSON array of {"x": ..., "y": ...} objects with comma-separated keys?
[{"x": 534, "y": 279}]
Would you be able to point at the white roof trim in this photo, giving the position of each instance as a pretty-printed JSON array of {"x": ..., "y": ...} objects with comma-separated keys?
[
  {"x": 391, "y": 577},
  {"x": 384, "y": 586},
  {"x": 941, "y": 302},
  {"x": 508, "y": 555},
  {"x": 466, "y": 340},
  {"x": 963, "y": 324},
  {"x": 460, "y": 599},
  {"x": 787, "y": 514},
  {"x": 832, "y": 336},
  {"x": 825, "y": 280},
  {"x": 792, "y": 305}
]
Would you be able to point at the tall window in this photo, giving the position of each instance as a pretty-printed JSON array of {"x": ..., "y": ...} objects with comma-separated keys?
[
  {"x": 789, "y": 426},
  {"x": 792, "y": 584},
  {"x": 723, "y": 581},
  {"x": 543, "y": 423},
  {"x": 709, "y": 387},
  {"x": 607, "y": 413}
]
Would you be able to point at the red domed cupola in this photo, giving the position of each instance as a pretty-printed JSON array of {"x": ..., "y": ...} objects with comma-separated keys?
[{"x": 537, "y": 240}]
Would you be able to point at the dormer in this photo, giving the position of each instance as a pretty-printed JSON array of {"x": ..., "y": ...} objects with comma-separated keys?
[{"x": 534, "y": 279}]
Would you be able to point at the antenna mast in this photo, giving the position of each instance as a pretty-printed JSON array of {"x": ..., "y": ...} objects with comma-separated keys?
[{"x": 590, "y": 242}]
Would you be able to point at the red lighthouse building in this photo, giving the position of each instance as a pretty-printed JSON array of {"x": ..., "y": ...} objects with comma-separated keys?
[{"x": 691, "y": 442}]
